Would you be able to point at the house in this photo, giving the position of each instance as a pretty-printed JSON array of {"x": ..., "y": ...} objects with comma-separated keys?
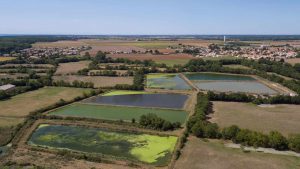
[{"x": 7, "y": 87}]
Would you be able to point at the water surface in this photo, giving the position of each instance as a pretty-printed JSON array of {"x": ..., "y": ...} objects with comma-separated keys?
[
  {"x": 238, "y": 86},
  {"x": 167, "y": 81},
  {"x": 146, "y": 148},
  {"x": 174, "y": 101},
  {"x": 216, "y": 76}
]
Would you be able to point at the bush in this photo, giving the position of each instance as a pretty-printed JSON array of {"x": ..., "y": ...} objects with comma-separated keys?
[
  {"x": 230, "y": 133},
  {"x": 294, "y": 142},
  {"x": 198, "y": 129},
  {"x": 277, "y": 141},
  {"x": 152, "y": 121}
]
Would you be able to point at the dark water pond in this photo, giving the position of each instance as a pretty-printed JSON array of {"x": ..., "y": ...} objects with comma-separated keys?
[
  {"x": 215, "y": 76},
  {"x": 174, "y": 101}
]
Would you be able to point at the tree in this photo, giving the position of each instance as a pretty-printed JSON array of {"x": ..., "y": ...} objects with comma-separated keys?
[
  {"x": 230, "y": 132},
  {"x": 277, "y": 141},
  {"x": 198, "y": 129},
  {"x": 211, "y": 130},
  {"x": 297, "y": 66},
  {"x": 294, "y": 142},
  {"x": 87, "y": 54}
]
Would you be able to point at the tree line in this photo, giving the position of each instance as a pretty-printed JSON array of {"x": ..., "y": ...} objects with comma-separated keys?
[{"x": 243, "y": 97}]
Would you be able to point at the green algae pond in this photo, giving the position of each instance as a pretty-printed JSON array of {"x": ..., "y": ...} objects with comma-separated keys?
[
  {"x": 117, "y": 112},
  {"x": 167, "y": 81},
  {"x": 146, "y": 148}
]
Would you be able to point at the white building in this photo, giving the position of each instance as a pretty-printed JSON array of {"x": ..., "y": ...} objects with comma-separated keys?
[{"x": 7, "y": 87}]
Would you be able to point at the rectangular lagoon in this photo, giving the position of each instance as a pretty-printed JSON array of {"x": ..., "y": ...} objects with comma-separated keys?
[
  {"x": 173, "y": 101},
  {"x": 247, "y": 87},
  {"x": 228, "y": 83},
  {"x": 118, "y": 113},
  {"x": 151, "y": 149},
  {"x": 218, "y": 77},
  {"x": 167, "y": 81}
]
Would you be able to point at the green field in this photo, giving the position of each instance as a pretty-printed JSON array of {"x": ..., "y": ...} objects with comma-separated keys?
[
  {"x": 117, "y": 112},
  {"x": 237, "y": 66},
  {"x": 172, "y": 62},
  {"x": 6, "y": 58},
  {"x": 124, "y": 92},
  {"x": 219, "y": 58},
  {"x": 151, "y": 149}
]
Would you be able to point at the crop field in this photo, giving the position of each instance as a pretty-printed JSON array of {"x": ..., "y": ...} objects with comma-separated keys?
[
  {"x": 21, "y": 105},
  {"x": 117, "y": 112},
  {"x": 150, "y": 149},
  {"x": 46, "y": 66},
  {"x": 283, "y": 118},
  {"x": 219, "y": 58},
  {"x": 155, "y": 100},
  {"x": 167, "y": 59},
  {"x": 172, "y": 62},
  {"x": 124, "y": 92},
  {"x": 214, "y": 155},
  {"x": 99, "y": 81},
  {"x": 293, "y": 61},
  {"x": 6, "y": 58},
  {"x": 237, "y": 66},
  {"x": 13, "y": 75},
  {"x": 71, "y": 67},
  {"x": 166, "y": 81}
]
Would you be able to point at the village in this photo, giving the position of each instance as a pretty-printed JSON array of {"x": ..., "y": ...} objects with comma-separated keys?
[
  {"x": 35, "y": 53},
  {"x": 249, "y": 52}
]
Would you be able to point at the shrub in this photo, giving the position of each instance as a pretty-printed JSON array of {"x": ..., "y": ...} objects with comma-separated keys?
[
  {"x": 277, "y": 141},
  {"x": 294, "y": 142}
]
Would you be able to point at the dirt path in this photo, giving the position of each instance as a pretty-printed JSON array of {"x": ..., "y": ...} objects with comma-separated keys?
[
  {"x": 188, "y": 82},
  {"x": 275, "y": 86},
  {"x": 191, "y": 110},
  {"x": 264, "y": 150}
]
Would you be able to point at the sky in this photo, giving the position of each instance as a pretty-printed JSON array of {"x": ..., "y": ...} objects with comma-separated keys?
[{"x": 150, "y": 17}]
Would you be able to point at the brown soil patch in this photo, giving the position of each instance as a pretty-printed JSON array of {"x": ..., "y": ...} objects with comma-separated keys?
[
  {"x": 99, "y": 81},
  {"x": 293, "y": 61},
  {"x": 283, "y": 118},
  {"x": 71, "y": 67},
  {"x": 198, "y": 154}
]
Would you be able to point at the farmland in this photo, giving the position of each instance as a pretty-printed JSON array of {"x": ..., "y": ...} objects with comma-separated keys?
[
  {"x": 213, "y": 154},
  {"x": 283, "y": 118},
  {"x": 142, "y": 147},
  {"x": 154, "y": 121},
  {"x": 117, "y": 113},
  {"x": 124, "y": 92},
  {"x": 99, "y": 81},
  {"x": 6, "y": 58},
  {"x": 72, "y": 67},
  {"x": 21, "y": 105},
  {"x": 293, "y": 61},
  {"x": 14, "y": 110}
]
